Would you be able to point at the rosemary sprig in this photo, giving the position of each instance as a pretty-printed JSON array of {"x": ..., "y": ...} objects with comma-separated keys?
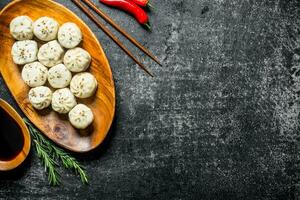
[
  {"x": 53, "y": 176},
  {"x": 49, "y": 154},
  {"x": 70, "y": 163},
  {"x": 43, "y": 153}
]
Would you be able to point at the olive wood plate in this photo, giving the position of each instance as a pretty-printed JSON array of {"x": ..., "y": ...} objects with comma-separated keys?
[{"x": 53, "y": 125}]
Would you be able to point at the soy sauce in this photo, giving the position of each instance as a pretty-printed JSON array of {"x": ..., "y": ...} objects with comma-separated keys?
[{"x": 11, "y": 137}]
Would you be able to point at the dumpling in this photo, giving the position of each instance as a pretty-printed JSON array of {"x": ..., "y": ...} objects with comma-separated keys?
[
  {"x": 34, "y": 74},
  {"x": 40, "y": 97},
  {"x": 81, "y": 116},
  {"x": 51, "y": 54},
  {"x": 59, "y": 76},
  {"x": 45, "y": 28},
  {"x": 69, "y": 35},
  {"x": 83, "y": 85},
  {"x": 77, "y": 59},
  {"x": 24, "y": 52},
  {"x": 21, "y": 28},
  {"x": 63, "y": 100}
]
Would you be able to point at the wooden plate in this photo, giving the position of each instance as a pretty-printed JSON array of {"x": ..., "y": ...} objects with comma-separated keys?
[{"x": 53, "y": 125}]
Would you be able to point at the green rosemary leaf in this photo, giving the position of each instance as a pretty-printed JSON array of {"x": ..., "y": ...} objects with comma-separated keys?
[
  {"x": 82, "y": 174},
  {"x": 48, "y": 153},
  {"x": 70, "y": 162},
  {"x": 49, "y": 164}
]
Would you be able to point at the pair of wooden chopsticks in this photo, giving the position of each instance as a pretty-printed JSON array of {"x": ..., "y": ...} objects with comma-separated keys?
[{"x": 110, "y": 34}]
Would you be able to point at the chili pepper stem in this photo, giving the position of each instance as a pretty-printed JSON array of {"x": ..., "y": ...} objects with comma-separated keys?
[
  {"x": 149, "y": 4},
  {"x": 148, "y": 26}
]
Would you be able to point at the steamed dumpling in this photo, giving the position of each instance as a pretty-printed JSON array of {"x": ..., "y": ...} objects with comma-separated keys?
[
  {"x": 63, "y": 100},
  {"x": 59, "y": 76},
  {"x": 34, "y": 74},
  {"x": 24, "y": 52},
  {"x": 51, "y": 54},
  {"x": 69, "y": 35},
  {"x": 40, "y": 97},
  {"x": 45, "y": 28},
  {"x": 21, "y": 28},
  {"x": 83, "y": 85},
  {"x": 77, "y": 59},
  {"x": 81, "y": 116}
]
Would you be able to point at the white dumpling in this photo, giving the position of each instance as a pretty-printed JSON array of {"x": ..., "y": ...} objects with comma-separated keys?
[
  {"x": 34, "y": 74},
  {"x": 83, "y": 85},
  {"x": 51, "y": 54},
  {"x": 69, "y": 35},
  {"x": 59, "y": 76},
  {"x": 63, "y": 101},
  {"x": 77, "y": 59},
  {"x": 21, "y": 28},
  {"x": 81, "y": 116},
  {"x": 45, "y": 28},
  {"x": 24, "y": 52},
  {"x": 40, "y": 97}
]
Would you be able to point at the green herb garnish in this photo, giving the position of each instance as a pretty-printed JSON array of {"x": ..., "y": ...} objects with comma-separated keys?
[{"x": 51, "y": 154}]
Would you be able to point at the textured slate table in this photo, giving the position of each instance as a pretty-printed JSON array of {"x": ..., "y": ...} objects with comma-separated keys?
[{"x": 219, "y": 121}]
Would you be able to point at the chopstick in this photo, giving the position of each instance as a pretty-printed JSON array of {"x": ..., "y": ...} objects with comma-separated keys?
[
  {"x": 118, "y": 28},
  {"x": 110, "y": 34}
]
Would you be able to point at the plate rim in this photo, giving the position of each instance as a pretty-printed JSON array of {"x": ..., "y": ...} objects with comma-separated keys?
[{"x": 12, "y": 3}]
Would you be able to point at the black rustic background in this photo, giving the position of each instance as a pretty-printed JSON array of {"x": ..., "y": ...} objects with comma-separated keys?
[{"x": 220, "y": 120}]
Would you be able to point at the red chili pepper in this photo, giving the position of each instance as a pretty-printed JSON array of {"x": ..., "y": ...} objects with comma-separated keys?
[
  {"x": 143, "y": 3},
  {"x": 130, "y": 7}
]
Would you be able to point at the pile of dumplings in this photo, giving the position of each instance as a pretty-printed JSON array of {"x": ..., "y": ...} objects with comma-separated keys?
[{"x": 54, "y": 63}]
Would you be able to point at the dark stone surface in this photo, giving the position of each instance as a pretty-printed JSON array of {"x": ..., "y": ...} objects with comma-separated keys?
[{"x": 219, "y": 121}]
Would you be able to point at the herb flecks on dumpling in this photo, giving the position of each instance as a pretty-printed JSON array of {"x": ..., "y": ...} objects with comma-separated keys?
[
  {"x": 63, "y": 101},
  {"x": 21, "y": 28},
  {"x": 69, "y": 35},
  {"x": 45, "y": 29},
  {"x": 77, "y": 59},
  {"x": 83, "y": 85},
  {"x": 34, "y": 74},
  {"x": 59, "y": 76},
  {"x": 24, "y": 52},
  {"x": 81, "y": 116},
  {"x": 51, "y": 54},
  {"x": 40, "y": 97}
]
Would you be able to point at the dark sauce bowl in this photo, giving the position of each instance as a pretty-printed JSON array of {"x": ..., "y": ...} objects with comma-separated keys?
[{"x": 16, "y": 142}]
